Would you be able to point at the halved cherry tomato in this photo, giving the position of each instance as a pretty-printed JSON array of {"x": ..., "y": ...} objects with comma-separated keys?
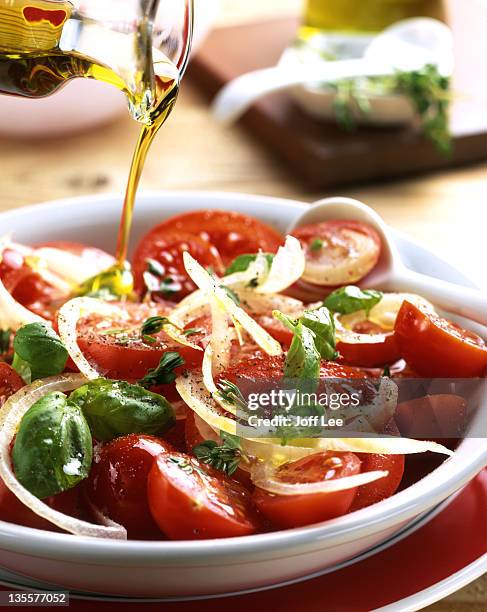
[
  {"x": 10, "y": 382},
  {"x": 167, "y": 249},
  {"x": 436, "y": 347},
  {"x": 190, "y": 501},
  {"x": 441, "y": 416},
  {"x": 117, "y": 484},
  {"x": 384, "y": 487},
  {"x": 288, "y": 511},
  {"x": 368, "y": 346},
  {"x": 128, "y": 357},
  {"x": 338, "y": 252}
]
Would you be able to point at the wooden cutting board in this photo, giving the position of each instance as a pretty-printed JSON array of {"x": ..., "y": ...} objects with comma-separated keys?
[{"x": 321, "y": 153}]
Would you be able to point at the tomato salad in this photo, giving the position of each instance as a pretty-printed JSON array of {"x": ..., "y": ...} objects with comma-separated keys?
[{"x": 121, "y": 412}]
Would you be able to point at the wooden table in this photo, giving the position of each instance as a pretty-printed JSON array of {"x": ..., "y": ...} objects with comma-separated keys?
[{"x": 446, "y": 211}]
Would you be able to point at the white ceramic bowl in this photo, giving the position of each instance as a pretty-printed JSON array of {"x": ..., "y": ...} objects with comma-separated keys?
[{"x": 186, "y": 569}]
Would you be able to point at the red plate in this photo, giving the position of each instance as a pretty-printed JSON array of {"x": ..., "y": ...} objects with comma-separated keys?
[{"x": 447, "y": 553}]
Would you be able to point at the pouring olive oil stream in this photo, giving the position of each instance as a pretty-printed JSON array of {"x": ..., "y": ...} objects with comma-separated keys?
[{"x": 46, "y": 43}]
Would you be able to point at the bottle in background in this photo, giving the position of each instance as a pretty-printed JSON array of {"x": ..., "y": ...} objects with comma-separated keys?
[{"x": 344, "y": 27}]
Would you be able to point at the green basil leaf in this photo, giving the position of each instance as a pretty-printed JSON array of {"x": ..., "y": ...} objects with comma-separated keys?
[
  {"x": 40, "y": 347},
  {"x": 242, "y": 262},
  {"x": 303, "y": 358},
  {"x": 116, "y": 408},
  {"x": 53, "y": 448},
  {"x": 352, "y": 299},
  {"x": 22, "y": 368},
  {"x": 321, "y": 322}
]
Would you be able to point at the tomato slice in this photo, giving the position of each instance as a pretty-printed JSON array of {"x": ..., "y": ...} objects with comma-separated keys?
[
  {"x": 117, "y": 484},
  {"x": 384, "y": 487},
  {"x": 288, "y": 511},
  {"x": 190, "y": 501},
  {"x": 167, "y": 248},
  {"x": 436, "y": 347},
  {"x": 338, "y": 252},
  {"x": 368, "y": 345},
  {"x": 10, "y": 382},
  {"x": 125, "y": 355}
]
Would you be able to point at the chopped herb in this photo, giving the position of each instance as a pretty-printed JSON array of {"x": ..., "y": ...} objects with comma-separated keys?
[
  {"x": 113, "y": 332},
  {"x": 154, "y": 325},
  {"x": 230, "y": 393},
  {"x": 316, "y": 245},
  {"x": 386, "y": 372},
  {"x": 5, "y": 336},
  {"x": 164, "y": 373},
  {"x": 224, "y": 457},
  {"x": 242, "y": 262},
  {"x": 231, "y": 294},
  {"x": 192, "y": 331},
  {"x": 149, "y": 339},
  {"x": 155, "y": 268},
  {"x": 156, "y": 280}
]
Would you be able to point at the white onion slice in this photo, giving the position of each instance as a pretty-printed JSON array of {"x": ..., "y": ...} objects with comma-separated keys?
[
  {"x": 221, "y": 339},
  {"x": 264, "y": 476},
  {"x": 74, "y": 269},
  {"x": 11, "y": 416},
  {"x": 212, "y": 288},
  {"x": 287, "y": 267}
]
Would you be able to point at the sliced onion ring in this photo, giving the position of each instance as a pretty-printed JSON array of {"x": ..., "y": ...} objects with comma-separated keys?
[
  {"x": 264, "y": 476},
  {"x": 10, "y": 417}
]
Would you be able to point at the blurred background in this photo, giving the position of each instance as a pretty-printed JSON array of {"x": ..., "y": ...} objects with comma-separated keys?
[{"x": 81, "y": 140}]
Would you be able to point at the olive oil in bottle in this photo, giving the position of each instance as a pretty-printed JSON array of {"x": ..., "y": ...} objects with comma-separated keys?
[{"x": 46, "y": 43}]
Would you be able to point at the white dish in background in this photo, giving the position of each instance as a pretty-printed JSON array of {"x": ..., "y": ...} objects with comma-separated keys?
[
  {"x": 185, "y": 569},
  {"x": 319, "y": 101}
]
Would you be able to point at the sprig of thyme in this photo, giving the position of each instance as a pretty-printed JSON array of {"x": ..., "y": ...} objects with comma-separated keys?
[
  {"x": 225, "y": 457},
  {"x": 427, "y": 89}
]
